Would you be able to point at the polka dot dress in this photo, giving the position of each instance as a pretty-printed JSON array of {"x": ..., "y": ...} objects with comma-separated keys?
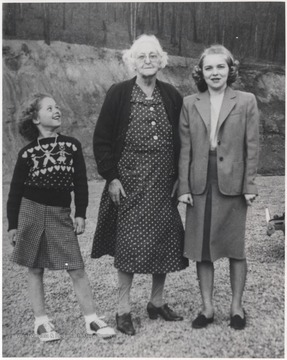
[{"x": 146, "y": 228}]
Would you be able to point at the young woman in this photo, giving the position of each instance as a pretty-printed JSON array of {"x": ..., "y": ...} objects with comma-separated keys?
[{"x": 217, "y": 170}]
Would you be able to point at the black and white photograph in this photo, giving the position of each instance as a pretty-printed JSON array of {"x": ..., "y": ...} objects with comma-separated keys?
[{"x": 143, "y": 179}]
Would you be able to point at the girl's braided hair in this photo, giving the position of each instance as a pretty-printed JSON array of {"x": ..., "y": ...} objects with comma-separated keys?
[{"x": 30, "y": 110}]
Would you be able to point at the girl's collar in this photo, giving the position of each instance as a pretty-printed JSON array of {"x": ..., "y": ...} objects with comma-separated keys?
[{"x": 48, "y": 137}]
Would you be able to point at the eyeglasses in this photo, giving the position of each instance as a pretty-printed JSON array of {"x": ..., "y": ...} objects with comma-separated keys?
[{"x": 144, "y": 57}]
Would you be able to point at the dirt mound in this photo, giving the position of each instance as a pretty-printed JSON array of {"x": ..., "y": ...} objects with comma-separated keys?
[{"x": 78, "y": 76}]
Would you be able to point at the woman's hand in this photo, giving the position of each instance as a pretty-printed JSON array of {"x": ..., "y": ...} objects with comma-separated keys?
[
  {"x": 116, "y": 190},
  {"x": 249, "y": 198},
  {"x": 79, "y": 225},
  {"x": 12, "y": 236},
  {"x": 186, "y": 199}
]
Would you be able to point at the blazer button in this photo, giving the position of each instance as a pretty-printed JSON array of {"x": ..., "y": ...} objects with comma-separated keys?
[
  {"x": 221, "y": 158},
  {"x": 218, "y": 142}
]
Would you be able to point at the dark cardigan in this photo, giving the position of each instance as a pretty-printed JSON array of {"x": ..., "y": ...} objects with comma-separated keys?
[{"x": 113, "y": 121}]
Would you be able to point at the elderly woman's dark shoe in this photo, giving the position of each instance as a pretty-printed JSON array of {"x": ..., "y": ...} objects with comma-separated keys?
[
  {"x": 237, "y": 322},
  {"x": 124, "y": 324},
  {"x": 164, "y": 311},
  {"x": 201, "y": 321}
]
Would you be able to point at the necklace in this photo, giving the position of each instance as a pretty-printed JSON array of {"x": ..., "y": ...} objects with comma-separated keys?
[{"x": 47, "y": 153}]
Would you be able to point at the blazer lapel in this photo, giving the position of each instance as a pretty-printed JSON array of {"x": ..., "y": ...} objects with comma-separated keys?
[
  {"x": 228, "y": 103},
  {"x": 203, "y": 106}
]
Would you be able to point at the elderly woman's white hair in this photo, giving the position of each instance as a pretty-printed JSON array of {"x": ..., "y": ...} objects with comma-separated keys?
[{"x": 129, "y": 55}]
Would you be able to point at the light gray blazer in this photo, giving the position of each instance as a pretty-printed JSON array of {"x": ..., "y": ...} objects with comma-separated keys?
[{"x": 237, "y": 146}]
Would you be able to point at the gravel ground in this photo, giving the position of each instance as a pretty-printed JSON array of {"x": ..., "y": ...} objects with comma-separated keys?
[{"x": 263, "y": 300}]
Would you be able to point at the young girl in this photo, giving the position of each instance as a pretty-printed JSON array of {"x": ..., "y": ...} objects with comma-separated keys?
[
  {"x": 48, "y": 169},
  {"x": 217, "y": 169}
]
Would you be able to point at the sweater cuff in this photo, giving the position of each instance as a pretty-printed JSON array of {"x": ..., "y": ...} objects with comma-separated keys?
[
  {"x": 110, "y": 175},
  {"x": 250, "y": 189},
  {"x": 81, "y": 212},
  {"x": 12, "y": 224},
  {"x": 183, "y": 189}
]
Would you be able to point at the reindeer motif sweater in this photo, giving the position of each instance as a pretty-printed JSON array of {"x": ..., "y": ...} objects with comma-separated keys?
[{"x": 47, "y": 171}]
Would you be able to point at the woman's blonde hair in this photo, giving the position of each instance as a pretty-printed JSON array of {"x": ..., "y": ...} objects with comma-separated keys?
[
  {"x": 129, "y": 55},
  {"x": 216, "y": 49}
]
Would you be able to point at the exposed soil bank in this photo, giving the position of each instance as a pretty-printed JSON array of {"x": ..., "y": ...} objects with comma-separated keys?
[{"x": 78, "y": 76}]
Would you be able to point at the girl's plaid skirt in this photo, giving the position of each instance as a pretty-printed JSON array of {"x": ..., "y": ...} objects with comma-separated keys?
[{"x": 46, "y": 238}]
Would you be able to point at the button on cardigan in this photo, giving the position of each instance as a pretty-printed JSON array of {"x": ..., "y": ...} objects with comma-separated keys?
[{"x": 112, "y": 124}]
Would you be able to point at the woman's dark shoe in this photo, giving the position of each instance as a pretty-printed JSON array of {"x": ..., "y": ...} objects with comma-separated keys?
[
  {"x": 124, "y": 324},
  {"x": 237, "y": 322},
  {"x": 201, "y": 321},
  {"x": 164, "y": 311}
]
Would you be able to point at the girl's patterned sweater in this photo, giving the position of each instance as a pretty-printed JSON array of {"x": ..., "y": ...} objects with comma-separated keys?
[{"x": 47, "y": 171}]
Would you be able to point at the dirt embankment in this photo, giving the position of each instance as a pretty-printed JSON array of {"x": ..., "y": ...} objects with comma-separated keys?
[{"x": 78, "y": 77}]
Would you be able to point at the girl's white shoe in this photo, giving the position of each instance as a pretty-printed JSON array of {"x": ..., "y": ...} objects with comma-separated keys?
[
  {"x": 46, "y": 332},
  {"x": 100, "y": 328}
]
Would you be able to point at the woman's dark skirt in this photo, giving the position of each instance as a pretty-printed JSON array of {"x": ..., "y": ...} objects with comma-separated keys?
[
  {"x": 215, "y": 225},
  {"x": 46, "y": 238}
]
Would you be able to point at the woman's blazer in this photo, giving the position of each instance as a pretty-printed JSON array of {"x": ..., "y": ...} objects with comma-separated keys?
[{"x": 237, "y": 143}]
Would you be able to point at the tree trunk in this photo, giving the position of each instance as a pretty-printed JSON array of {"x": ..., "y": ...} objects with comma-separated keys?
[
  {"x": 134, "y": 10},
  {"x": 173, "y": 26},
  {"x": 64, "y": 16},
  {"x": 46, "y": 18},
  {"x": 88, "y": 28},
  {"x": 106, "y": 11},
  {"x": 149, "y": 15},
  {"x": 256, "y": 41},
  {"x": 129, "y": 18},
  {"x": 72, "y": 14},
  {"x": 132, "y": 22},
  {"x": 180, "y": 30},
  {"x": 223, "y": 26},
  {"x": 223, "y": 36},
  {"x": 10, "y": 22},
  {"x": 132, "y": 16},
  {"x": 105, "y": 30},
  {"x": 207, "y": 22},
  {"x": 234, "y": 30},
  {"x": 135, "y": 20},
  {"x": 151, "y": 5},
  {"x": 115, "y": 13},
  {"x": 157, "y": 17},
  {"x": 161, "y": 20},
  {"x": 141, "y": 16},
  {"x": 21, "y": 12},
  {"x": 218, "y": 23},
  {"x": 279, "y": 35},
  {"x": 194, "y": 23}
]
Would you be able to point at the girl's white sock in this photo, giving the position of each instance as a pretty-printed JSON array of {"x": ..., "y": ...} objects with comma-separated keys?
[
  {"x": 39, "y": 320},
  {"x": 90, "y": 318}
]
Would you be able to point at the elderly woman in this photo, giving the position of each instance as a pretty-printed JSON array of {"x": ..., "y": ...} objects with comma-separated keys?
[
  {"x": 136, "y": 146},
  {"x": 217, "y": 170}
]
